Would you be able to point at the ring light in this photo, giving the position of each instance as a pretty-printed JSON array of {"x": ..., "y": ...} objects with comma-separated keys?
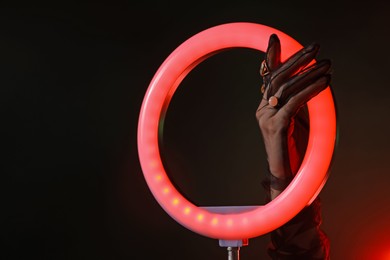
[{"x": 254, "y": 221}]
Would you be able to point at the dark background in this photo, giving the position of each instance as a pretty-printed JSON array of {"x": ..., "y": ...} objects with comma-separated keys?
[{"x": 73, "y": 77}]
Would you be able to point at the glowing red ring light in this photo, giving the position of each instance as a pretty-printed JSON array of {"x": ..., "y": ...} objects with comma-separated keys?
[{"x": 302, "y": 190}]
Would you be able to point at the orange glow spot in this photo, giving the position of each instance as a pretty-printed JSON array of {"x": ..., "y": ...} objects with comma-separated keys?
[
  {"x": 187, "y": 210},
  {"x": 214, "y": 221},
  {"x": 229, "y": 222},
  {"x": 151, "y": 149},
  {"x": 158, "y": 177},
  {"x": 153, "y": 163},
  {"x": 200, "y": 217},
  {"x": 166, "y": 190},
  {"x": 175, "y": 201}
]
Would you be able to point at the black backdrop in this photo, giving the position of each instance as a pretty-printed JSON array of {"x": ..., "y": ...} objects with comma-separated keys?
[{"x": 73, "y": 77}]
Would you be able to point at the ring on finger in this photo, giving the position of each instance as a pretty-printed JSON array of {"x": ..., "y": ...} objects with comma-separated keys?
[
  {"x": 273, "y": 101},
  {"x": 262, "y": 89},
  {"x": 264, "y": 70}
]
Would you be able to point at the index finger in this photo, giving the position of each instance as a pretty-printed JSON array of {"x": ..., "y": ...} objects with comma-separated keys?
[
  {"x": 296, "y": 62},
  {"x": 272, "y": 56}
]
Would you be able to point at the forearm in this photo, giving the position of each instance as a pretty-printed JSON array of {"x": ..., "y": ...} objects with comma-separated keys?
[
  {"x": 276, "y": 145},
  {"x": 301, "y": 236},
  {"x": 288, "y": 86}
]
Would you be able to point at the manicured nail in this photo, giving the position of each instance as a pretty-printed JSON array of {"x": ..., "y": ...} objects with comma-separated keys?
[
  {"x": 324, "y": 62},
  {"x": 273, "y": 38},
  {"x": 312, "y": 47}
]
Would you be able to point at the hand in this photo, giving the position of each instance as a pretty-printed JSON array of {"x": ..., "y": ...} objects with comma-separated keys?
[{"x": 288, "y": 86}]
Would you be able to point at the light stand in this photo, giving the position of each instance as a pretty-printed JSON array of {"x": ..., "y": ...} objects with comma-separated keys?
[{"x": 233, "y": 247}]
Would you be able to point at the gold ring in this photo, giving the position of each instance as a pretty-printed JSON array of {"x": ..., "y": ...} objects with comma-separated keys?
[
  {"x": 264, "y": 70},
  {"x": 262, "y": 88}
]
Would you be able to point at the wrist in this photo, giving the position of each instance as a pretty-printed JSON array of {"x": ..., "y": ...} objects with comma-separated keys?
[
  {"x": 277, "y": 151},
  {"x": 278, "y": 183}
]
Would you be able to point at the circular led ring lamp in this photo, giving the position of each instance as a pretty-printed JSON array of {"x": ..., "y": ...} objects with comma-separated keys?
[{"x": 260, "y": 220}]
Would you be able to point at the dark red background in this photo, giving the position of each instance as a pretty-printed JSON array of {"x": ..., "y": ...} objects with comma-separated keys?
[{"x": 73, "y": 77}]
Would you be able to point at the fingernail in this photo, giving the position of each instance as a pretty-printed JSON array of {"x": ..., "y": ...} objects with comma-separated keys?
[
  {"x": 325, "y": 62},
  {"x": 273, "y": 38},
  {"x": 312, "y": 47}
]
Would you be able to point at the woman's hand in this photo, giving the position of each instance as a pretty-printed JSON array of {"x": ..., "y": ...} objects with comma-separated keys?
[{"x": 288, "y": 86}]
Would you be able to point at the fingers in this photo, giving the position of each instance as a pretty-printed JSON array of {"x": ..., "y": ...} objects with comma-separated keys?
[
  {"x": 292, "y": 82},
  {"x": 295, "y": 63},
  {"x": 302, "y": 97},
  {"x": 273, "y": 52},
  {"x": 300, "y": 81}
]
